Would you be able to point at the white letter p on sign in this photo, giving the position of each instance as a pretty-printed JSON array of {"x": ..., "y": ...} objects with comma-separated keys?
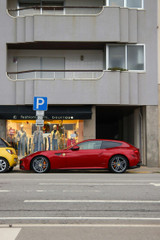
[{"x": 40, "y": 102}]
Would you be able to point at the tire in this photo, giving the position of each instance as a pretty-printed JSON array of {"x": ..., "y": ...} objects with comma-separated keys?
[
  {"x": 4, "y": 165},
  {"x": 40, "y": 164},
  {"x": 118, "y": 164},
  {"x": 10, "y": 169}
]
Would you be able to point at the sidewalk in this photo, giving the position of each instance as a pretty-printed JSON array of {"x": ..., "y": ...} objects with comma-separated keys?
[{"x": 144, "y": 169}]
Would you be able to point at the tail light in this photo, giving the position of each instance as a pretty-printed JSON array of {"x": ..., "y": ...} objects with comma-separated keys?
[{"x": 136, "y": 153}]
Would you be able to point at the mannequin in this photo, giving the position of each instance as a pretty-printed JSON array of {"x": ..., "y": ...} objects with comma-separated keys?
[
  {"x": 21, "y": 139},
  {"x": 55, "y": 138},
  {"x": 38, "y": 139}
]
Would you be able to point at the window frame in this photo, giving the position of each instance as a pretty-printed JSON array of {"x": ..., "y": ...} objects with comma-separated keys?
[
  {"x": 126, "y": 56},
  {"x": 41, "y": 6},
  {"x": 125, "y": 4}
]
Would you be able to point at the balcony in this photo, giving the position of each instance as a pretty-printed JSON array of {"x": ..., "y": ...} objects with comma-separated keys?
[
  {"x": 39, "y": 7},
  {"x": 55, "y": 75},
  {"x": 60, "y": 7}
]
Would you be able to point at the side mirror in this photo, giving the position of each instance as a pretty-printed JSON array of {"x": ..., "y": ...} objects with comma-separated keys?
[{"x": 75, "y": 148}]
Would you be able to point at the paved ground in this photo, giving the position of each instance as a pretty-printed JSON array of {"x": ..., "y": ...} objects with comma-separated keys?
[
  {"x": 144, "y": 169},
  {"x": 79, "y": 205}
]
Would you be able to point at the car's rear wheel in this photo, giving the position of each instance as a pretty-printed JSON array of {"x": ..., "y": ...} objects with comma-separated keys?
[
  {"x": 118, "y": 164},
  {"x": 3, "y": 165},
  {"x": 40, "y": 164}
]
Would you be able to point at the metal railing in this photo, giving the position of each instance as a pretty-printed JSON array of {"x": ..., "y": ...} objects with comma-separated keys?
[
  {"x": 54, "y": 9},
  {"x": 37, "y": 74}
]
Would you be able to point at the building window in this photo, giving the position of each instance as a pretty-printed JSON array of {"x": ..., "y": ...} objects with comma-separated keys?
[
  {"x": 27, "y": 3},
  {"x": 134, "y": 4},
  {"x": 116, "y": 3},
  {"x": 116, "y": 56},
  {"x": 135, "y": 57},
  {"x": 129, "y": 57},
  {"x": 42, "y": 6},
  {"x": 126, "y": 3}
]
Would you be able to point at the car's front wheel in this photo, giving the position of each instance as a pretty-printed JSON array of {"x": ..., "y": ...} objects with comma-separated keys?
[
  {"x": 40, "y": 164},
  {"x": 3, "y": 165},
  {"x": 118, "y": 164}
]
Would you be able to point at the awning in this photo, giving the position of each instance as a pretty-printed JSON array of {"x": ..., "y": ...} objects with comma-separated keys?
[{"x": 53, "y": 112}]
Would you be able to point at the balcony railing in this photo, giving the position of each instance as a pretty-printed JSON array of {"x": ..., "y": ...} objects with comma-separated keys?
[
  {"x": 56, "y": 75},
  {"x": 56, "y": 10}
]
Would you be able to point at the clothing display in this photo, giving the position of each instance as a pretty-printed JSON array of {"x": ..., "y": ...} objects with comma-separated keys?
[
  {"x": 21, "y": 140},
  {"x": 38, "y": 140},
  {"x": 28, "y": 138},
  {"x": 54, "y": 139}
]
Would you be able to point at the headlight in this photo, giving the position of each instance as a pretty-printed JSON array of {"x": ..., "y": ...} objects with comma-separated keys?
[{"x": 9, "y": 151}]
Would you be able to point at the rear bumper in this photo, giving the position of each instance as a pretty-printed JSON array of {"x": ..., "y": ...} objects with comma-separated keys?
[{"x": 136, "y": 166}]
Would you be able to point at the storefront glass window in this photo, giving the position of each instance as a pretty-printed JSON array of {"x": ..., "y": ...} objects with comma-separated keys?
[{"x": 27, "y": 138}]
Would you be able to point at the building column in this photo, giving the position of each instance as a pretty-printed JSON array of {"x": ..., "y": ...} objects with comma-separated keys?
[
  {"x": 140, "y": 132},
  {"x": 3, "y": 128},
  {"x": 152, "y": 149},
  {"x": 90, "y": 126}
]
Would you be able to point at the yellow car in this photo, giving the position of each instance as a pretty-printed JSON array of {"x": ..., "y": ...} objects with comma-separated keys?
[{"x": 8, "y": 157}]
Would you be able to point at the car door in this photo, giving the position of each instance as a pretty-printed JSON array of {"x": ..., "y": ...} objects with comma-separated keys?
[{"x": 88, "y": 154}]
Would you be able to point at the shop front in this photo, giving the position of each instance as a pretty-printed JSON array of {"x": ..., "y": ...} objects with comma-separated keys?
[{"x": 63, "y": 127}]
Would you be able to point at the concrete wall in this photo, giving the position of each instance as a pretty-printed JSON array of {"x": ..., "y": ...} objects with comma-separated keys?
[
  {"x": 152, "y": 154},
  {"x": 92, "y": 59},
  {"x": 111, "y": 88},
  {"x": 112, "y": 25}
]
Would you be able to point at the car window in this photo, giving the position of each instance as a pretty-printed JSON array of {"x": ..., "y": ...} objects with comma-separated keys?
[
  {"x": 110, "y": 144},
  {"x": 2, "y": 143},
  {"x": 90, "y": 145}
]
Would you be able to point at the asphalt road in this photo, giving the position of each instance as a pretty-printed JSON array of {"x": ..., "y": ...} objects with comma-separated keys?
[{"x": 79, "y": 205}]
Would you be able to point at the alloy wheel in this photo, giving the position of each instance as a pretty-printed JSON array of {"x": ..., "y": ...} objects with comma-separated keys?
[
  {"x": 40, "y": 164},
  {"x": 3, "y": 165},
  {"x": 118, "y": 164}
]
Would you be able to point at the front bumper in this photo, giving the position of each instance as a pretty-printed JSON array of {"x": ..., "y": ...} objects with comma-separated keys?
[{"x": 13, "y": 160}]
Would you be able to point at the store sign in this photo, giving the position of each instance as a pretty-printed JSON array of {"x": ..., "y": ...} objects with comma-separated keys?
[
  {"x": 53, "y": 112},
  {"x": 39, "y": 122},
  {"x": 40, "y": 104},
  {"x": 62, "y": 117},
  {"x": 40, "y": 113}
]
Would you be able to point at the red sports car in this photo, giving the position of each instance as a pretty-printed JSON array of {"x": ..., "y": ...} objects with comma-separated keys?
[{"x": 117, "y": 156}]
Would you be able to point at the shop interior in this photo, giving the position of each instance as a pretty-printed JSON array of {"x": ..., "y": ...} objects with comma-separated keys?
[{"x": 27, "y": 138}]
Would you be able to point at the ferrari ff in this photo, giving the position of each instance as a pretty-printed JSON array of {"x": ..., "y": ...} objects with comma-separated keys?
[{"x": 117, "y": 156}]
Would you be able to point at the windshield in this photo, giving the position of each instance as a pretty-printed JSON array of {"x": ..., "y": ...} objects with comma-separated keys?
[{"x": 4, "y": 143}]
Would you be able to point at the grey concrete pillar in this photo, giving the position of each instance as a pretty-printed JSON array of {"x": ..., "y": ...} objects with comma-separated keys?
[
  {"x": 3, "y": 128},
  {"x": 90, "y": 126},
  {"x": 152, "y": 149}
]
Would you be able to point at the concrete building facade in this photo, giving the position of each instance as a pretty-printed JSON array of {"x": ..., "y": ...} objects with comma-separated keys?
[{"x": 96, "y": 62}]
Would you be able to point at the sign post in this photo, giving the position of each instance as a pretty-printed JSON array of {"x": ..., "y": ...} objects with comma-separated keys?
[{"x": 39, "y": 105}]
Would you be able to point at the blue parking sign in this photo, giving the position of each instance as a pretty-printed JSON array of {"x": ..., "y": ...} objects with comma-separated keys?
[{"x": 40, "y": 104}]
